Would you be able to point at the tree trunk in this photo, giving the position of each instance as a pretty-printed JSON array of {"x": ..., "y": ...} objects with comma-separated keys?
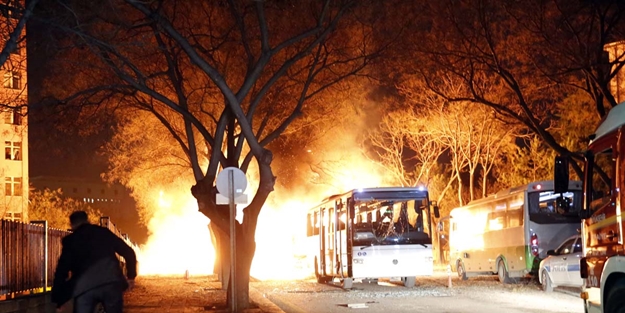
[
  {"x": 221, "y": 242},
  {"x": 459, "y": 189},
  {"x": 484, "y": 182},
  {"x": 472, "y": 184},
  {"x": 246, "y": 248}
]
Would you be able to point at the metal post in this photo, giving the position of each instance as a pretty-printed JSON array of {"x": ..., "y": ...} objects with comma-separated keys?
[
  {"x": 44, "y": 223},
  {"x": 45, "y": 254},
  {"x": 233, "y": 215}
]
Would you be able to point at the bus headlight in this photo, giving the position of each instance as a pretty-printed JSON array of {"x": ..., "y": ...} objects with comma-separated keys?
[{"x": 359, "y": 261}]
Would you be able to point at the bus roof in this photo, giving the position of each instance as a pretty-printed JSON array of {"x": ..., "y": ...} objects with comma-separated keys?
[
  {"x": 611, "y": 122},
  {"x": 533, "y": 186},
  {"x": 364, "y": 194}
]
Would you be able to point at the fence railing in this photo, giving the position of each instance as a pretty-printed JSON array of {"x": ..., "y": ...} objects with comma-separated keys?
[
  {"x": 28, "y": 252},
  {"x": 29, "y": 255},
  {"x": 105, "y": 221}
]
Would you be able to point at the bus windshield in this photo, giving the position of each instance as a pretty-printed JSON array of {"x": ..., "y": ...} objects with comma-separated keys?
[
  {"x": 392, "y": 223},
  {"x": 543, "y": 207}
]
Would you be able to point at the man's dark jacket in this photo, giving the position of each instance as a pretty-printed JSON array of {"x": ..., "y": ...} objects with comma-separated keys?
[{"x": 89, "y": 254}]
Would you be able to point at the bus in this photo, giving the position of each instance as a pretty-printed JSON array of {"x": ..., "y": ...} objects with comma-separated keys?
[
  {"x": 371, "y": 233},
  {"x": 507, "y": 234}
]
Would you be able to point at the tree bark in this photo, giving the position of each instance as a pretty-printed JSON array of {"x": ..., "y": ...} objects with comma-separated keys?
[{"x": 246, "y": 247}]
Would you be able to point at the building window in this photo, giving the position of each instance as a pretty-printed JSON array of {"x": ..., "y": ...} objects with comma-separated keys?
[
  {"x": 13, "y": 186},
  {"x": 13, "y": 216},
  {"x": 12, "y": 150},
  {"x": 12, "y": 80},
  {"x": 13, "y": 116}
]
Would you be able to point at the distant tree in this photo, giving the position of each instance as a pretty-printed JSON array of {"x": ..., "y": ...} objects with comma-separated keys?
[
  {"x": 535, "y": 53},
  {"x": 402, "y": 144},
  {"x": 472, "y": 136},
  {"x": 52, "y": 206}
]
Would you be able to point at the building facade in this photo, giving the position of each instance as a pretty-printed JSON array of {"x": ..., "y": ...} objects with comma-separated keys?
[
  {"x": 616, "y": 53},
  {"x": 13, "y": 121},
  {"x": 112, "y": 200}
]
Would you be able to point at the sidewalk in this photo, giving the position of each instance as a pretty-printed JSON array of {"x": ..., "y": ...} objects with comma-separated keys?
[{"x": 162, "y": 294}]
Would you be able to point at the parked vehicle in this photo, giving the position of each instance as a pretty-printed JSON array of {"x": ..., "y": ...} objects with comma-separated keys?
[
  {"x": 561, "y": 267},
  {"x": 510, "y": 232},
  {"x": 603, "y": 263}
]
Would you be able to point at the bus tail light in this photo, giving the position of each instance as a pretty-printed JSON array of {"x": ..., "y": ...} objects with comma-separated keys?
[
  {"x": 534, "y": 244},
  {"x": 583, "y": 268}
]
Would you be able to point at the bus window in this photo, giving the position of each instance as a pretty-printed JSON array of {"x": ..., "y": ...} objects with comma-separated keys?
[
  {"x": 515, "y": 217},
  {"x": 412, "y": 214},
  {"x": 342, "y": 220},
  {"x": 425, "y": 213},
  {"x": 309, "y": 225},
  {"x": 400, "y": 217},
  {"x": 542, "y": 207},
  {"x": 496, "y": 220},
  {"x": 315, "y": 230}
]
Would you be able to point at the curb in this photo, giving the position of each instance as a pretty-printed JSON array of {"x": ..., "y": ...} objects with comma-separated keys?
[{"x": 264, "y": 304}]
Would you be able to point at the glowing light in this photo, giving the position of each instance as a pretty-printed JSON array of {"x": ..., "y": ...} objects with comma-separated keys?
[
  {"x": 467, "y": 235},
  {"x": 179, "y": 239}
]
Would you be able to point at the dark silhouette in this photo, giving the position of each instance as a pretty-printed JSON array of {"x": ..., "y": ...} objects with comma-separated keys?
[{"x": 96, "y": 276}]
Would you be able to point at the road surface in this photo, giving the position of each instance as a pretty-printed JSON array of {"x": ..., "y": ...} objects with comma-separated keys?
[{"x": 477, "y": 295}]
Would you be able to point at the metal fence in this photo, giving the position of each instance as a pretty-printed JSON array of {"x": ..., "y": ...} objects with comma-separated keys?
[
  {"x": 29, "y": 254},
  {"x": 105, "y": 221},
  {"x": 25, "y": 258}
]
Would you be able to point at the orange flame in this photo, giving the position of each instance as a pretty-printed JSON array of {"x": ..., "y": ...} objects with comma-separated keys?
[{"x": 179, "y": 239}]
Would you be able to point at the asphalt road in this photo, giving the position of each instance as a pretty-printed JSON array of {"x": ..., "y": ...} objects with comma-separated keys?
[{"x": 481, "y": 294}]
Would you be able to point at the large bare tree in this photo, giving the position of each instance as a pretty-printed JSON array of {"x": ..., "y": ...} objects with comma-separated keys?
[{"x": 224, "y": 78}]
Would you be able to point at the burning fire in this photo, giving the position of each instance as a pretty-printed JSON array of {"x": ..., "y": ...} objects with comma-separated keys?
[
  {"x": 281, "y": 242},
  {"x": 179, "y": 239}
]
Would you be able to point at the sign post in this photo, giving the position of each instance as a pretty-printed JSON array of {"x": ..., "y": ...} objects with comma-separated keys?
[{"x": 231, "y": 183}]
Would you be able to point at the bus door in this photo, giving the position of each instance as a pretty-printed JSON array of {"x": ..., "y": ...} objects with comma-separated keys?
[
  {"x": 329, "y": 241},
  {"x": 322, "y": 241},
  {"x": 342, "y": 248},
  {"x": 338, "y": 238}
]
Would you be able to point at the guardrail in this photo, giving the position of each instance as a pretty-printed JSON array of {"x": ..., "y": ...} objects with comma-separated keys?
[{"x": 29, "y": 253}]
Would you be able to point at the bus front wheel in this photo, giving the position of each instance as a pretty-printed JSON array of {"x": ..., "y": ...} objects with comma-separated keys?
[
  {"x": 461, "y": 272},
  {"x": 502, "y": 273}
]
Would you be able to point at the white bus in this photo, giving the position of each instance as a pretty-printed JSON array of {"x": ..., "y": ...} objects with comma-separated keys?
[
  {"x": 509, "y": 233},
  {"x": 372, "y": 233}
]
